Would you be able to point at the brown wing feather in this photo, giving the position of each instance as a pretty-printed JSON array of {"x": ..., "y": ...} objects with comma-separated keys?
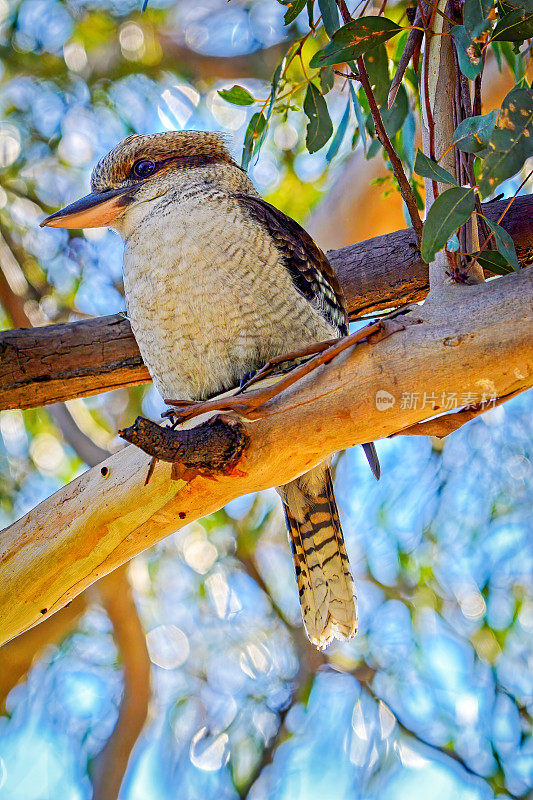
[{"x": 310, "y": 270}]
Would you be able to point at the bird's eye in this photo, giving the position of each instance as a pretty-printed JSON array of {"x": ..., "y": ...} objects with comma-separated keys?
[{"x": 143, "y": 168}]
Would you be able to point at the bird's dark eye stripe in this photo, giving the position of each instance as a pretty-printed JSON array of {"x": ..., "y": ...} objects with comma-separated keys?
[{"x": 146, "y": 167}]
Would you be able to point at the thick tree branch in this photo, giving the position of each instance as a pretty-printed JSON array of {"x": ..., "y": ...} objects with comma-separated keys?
[
  {"x": 59, "y": 362},
  {"x": 106, "y": 516}
]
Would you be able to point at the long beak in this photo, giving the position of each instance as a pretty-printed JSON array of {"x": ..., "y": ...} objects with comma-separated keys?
[{"x": 94, "y": 210}]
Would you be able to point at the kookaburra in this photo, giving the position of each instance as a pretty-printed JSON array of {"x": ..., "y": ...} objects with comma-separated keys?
[{"x": 218, "y": 282}]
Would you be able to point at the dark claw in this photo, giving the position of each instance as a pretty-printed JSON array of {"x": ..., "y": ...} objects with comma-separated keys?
[
  {"x": 372, "y": 458},
  {"x": 247, "y": 377}
]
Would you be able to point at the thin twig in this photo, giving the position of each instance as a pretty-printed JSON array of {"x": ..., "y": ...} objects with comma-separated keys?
[{"x": 397, "y": 166}]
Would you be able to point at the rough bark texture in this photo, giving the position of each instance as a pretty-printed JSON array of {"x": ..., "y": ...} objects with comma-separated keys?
[
  {"x": 60, "y": 362},
  {"x": 92, "y": 356},
  {"x": 479, "y": 343}
]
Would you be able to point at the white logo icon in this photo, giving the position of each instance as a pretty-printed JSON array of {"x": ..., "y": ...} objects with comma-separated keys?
[{"x": 384, "y": 400}]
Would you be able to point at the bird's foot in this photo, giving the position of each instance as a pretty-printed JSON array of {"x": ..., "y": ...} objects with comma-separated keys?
[
  {"x": 271, "y": 365},
  {"x": 178, "y": 406},
  {"x": 182, "y": 411},
  {"x": 248, "y": 403}
]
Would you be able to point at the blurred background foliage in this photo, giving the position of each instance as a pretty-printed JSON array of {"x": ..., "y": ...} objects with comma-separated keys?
[{"x": 193, "y": 659}]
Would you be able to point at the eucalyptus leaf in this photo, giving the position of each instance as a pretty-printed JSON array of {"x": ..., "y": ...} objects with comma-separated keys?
[
  {"x": 473, "y": 134},
  {"x": 504, "y": 243},
  {"x": 526, "y": 4},
  {"x": 237, "y": 95},
  {"x": 408, "y": 139},
  {"x": 252, "y": 138},
  {"x": 511, "y": 142},
  {"x": 475, "y": 13},
  {"x": 273, "y": 93},
  {"x": 320, "y": 127},
  {"x": 453, "y": 243},
  {"x": 295, "y": 7},
  {"x": 373, "y": 149},
  {"x": 327, "y": 79},
  {"x": 358, "y": 115},
  {"x": 330, "y": 16},
  {"x": 354, "y": 39},
  {"x": 310, "y": 6},
  {"x": 377, "y": 66},
  {"x": 427, "y": 168},
  {"x": 494, "y": 261},
  {"x": 468, "y": 52},
  {"x": 394, "y": 117},
  {"x": 514, "y": 27},
  {"x": 339, "y": 134},
  {"x": 450, "y": 210}
]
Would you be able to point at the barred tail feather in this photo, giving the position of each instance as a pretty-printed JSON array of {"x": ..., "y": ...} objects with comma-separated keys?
[{"x": 325, "y": 583}]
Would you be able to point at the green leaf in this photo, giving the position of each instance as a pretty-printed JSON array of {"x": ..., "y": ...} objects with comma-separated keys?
[
  {"x": 237, "y": 95},
  {"x": 475, "y": 13},
  {"x": 504, "y": 243},
  {"x": 278, "y": 72},
  {"x": 493, "y": 260},
  {"x": 373, "y": 149},
  {"x": 427, "y": 168},
  {"x": 293, "y": 10},
  {"x": 358, "y": 114},
  {"x": 310, "y": 6},
  {"x": 511, "y": 142},
  {"x": 339, "y": 134},
  {"x": 526, "y": 4},
  {"x": 514, "y": 27},
  {"x": 408, "y": 139},
  {"x": 327, "y": 79},
  {"x": 377, "y": 66},
  {"x": 330, "y": 16},
  {"x": 450, "y": 210},
  {"x": 320, "y": 127},
  {"x": 468, "y": 52},
  {"x": 252, "y": 138},
  {"x": 394, "y": 117},
  {"x": 354, "y": 39},
  {"x": 473, "y": 134},
  {"x": 452, "y": 245}
]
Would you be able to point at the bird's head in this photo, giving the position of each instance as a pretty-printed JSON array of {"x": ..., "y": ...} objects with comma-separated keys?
[{"x": 138, "y": 170}]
